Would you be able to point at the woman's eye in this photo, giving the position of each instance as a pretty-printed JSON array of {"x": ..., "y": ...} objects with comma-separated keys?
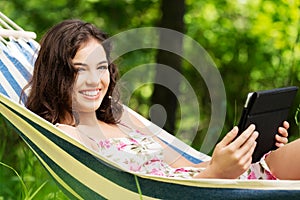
[
  {"x": 103, "y": 67},
  {"x": 79, "y": 69}
]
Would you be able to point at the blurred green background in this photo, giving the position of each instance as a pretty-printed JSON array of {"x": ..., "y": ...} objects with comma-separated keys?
[{"x": 254, "y": 43}]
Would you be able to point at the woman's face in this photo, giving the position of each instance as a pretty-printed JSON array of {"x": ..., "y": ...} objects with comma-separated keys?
[{"x": 92, "y": 79}]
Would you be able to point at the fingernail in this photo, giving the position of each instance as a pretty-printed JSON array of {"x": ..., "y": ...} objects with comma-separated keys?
[{"x": 256, "y": 133}]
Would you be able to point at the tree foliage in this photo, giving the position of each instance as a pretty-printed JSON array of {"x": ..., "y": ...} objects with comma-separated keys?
[{"x": 255, "y": 45}]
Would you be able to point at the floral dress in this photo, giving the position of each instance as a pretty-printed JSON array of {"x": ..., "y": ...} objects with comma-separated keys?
[{"x": 141, "y": 153}]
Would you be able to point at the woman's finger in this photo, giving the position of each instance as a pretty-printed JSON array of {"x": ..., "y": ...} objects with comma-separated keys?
[
  {"x": 248, "y": 147},
  {"x": 229, "y": 137},
  {"x": 280, "y": 139},
  {"x": 283, "y": 132},
  {"x": 247, "y": 158},
  {"x": 244, "y": 136},
  {"x": 286, "y": 125}
]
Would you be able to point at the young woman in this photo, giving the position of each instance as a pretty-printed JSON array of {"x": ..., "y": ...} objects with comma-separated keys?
[{"x": 72, "y": 86}]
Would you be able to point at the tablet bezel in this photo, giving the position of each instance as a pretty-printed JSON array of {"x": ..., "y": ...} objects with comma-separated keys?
[{"x": 267, "y": 109}]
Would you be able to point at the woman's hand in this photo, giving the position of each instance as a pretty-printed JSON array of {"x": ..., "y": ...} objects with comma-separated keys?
[
  {"x": 231, "y": 158},
  {"x": 281, "y": 137}
]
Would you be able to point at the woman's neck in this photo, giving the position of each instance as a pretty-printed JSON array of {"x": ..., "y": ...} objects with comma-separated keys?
[{"x": 89, "y": 119}]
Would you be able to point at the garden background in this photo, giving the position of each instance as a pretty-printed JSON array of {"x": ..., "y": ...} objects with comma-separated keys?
[{"x": 254, "y": 44}]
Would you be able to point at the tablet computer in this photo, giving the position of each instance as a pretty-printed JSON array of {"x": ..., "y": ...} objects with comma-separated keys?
[{"x": 268, "y": 110}]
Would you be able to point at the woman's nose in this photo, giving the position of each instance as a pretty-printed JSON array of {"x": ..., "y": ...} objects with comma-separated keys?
[{"x": 94, "y": 78}]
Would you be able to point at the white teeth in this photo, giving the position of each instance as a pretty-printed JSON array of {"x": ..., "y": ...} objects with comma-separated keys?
[{"x": 91, "y": 93}]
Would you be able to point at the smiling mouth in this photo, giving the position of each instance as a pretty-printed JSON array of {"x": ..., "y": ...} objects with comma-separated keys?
[{"x": 90, "y": 93}]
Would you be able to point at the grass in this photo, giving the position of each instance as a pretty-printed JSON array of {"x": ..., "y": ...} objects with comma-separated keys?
[
  {"x": 26, "y": 194},
  {"x": 21, "y": 174},
  {"x": 296, "y": 118}
]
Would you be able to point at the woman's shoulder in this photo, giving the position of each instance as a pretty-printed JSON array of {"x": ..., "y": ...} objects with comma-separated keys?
[
  {"x": 64, "y": 126},
  {"x": 69, "y": 130}
]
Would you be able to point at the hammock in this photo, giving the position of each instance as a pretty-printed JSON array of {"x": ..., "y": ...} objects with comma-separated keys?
[{"x": 84, "y": 174}]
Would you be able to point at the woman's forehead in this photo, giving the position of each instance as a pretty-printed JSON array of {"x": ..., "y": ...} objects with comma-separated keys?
[{"x": 90, "y": 52}]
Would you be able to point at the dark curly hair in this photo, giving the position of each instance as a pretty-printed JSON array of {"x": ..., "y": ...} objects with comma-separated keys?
[{"x": 54, "y": 75}]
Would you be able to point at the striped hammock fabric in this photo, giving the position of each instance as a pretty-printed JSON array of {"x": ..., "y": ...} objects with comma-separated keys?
[{"x": 84, "y": 174}]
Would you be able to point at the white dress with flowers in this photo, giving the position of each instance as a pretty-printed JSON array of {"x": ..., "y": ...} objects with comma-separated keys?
[{"x": 141, "y": 153}]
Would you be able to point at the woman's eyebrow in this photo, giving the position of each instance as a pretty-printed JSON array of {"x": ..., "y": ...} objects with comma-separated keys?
[
  {"x": 102, "y": 62},
  {"x": 79, "y": 63},
  {"x": 84, "y": 64}
]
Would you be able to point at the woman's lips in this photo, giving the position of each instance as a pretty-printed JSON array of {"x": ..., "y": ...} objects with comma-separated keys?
[{"x": 91, "y": 94}]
